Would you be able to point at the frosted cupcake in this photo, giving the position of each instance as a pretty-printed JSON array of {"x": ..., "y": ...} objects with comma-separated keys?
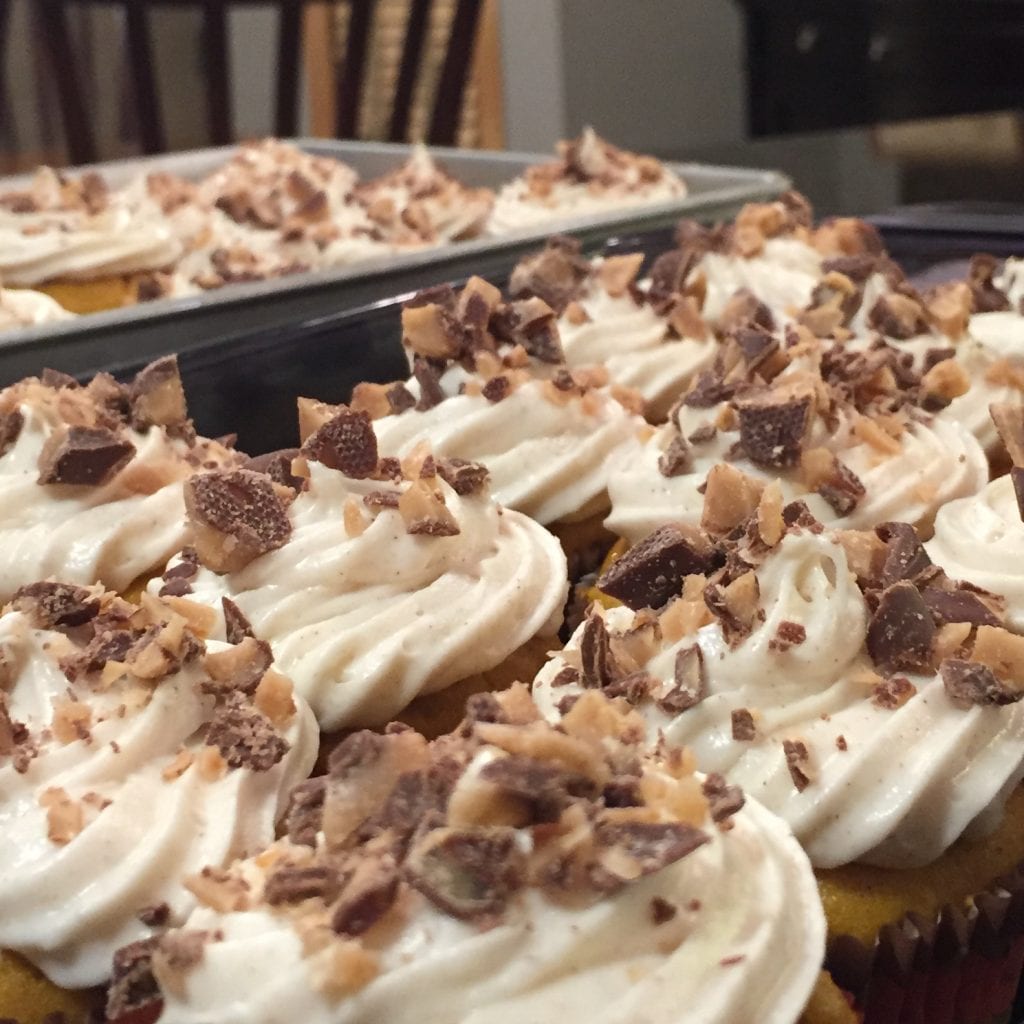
[
  {"x": 605, "y": 318},
  {"x": 90, "y": 477},
  {"x": 840, "y": 429},
  {"x": 83, "y": 245},
  {"x": 590, "y": 176},
  {"x": 509, "y": 871},
  {"x": 421, "y": 199},
  {"x": 848, "y": 684},
  {"x": 137, "y": 760},
  {"x": 374, "y": 582}
]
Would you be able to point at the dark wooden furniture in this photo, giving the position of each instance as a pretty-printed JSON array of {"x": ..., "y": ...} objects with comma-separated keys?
[{"x": 54, "y": 33}]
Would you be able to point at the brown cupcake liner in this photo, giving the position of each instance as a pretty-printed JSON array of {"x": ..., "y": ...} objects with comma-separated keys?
[{"x": 961, "y": 967}]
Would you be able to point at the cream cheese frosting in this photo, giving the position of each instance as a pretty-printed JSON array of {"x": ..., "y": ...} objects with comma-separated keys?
[
  {"x": 90, "y": 478},
  {"x": 725, "y": 909},
  {"x": 590, "y": 176},
  {"x": 123, "y": 772},
  {"x": 850, "y": 720},
  {"x": 905, "y": 464},
  {"x": 372, "y": 588},
  {"x": 23, "y": 307}
]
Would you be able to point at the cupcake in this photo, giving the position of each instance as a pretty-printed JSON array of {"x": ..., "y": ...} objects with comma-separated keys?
[
  {"x": 80, "y": 243},
  {"x": 589, "y": 177},
  {"x": 605, "y": 318},
  {"x": 845, "y": 431},
  {"x": 848, "y": 684},
  {"x": 509, "y": 871},
  {"x": 23, "y": 307},
  {"x": 90, "y": 477},
  {"x": 374, "y": 582},
  {"x": 489, "y": 385},
  {"x": 137, "y": 760},
  {"x": 420, "y": 199}
]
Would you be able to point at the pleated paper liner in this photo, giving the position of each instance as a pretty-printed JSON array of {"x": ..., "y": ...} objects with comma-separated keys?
[{"x": 961, "y": 966}]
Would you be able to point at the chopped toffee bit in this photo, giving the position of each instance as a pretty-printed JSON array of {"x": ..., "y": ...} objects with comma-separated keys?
[
  {"x": 676, "y": 459},
  {"x": 743, "y": 727},
  {"x": 133, "y": 988},
  {"x": 56, "y": 605},
  {"x": 278, "y": 466},
  {"x": 462, "y": 476},
  {"x": 555, "y": 274},
  {"x": 902, "y": 629},
  {"x": 773, "y": 428},
  {"x": 565, "y": 676},
  {"x": 906, "y": 557},
  {"x": 730, "y": 497},
  {"x": 651, "y": 573},
  {"x": 788, "y": 634},
  {"x": 57, "y": 379},
  {"x": 83, "y": 456},
  {"x": 368, "y": 895},
  {"x": 236, "y": 516},
  {"x": 798, "y": 761},
  {"x": 178, "y": 578},
  {"x": 689, "y": 683},
  {"x": 703, "y": 435},
  {"x": 157, "y": 396},
  {"x": 497, "y": 388},
  {"x": 841, "y": 743},
  {"x": 237, "y": 627},
  {"x": 893, "y": 693},
  {"x": 968, "y": 683},
  {"x": 289, "y": 884},
  {"x": 155, "y": 916},
  {"x": 735, "y": 606},
  {"x": 959, "y": 606},
  {"x": 346, "y": 443},
  {"x": 1017, "y": 479},
  {"x": 467, "y": 872},
  {"x": 898, "y": 316},
  {"x": 244, "y": 736},
  {"x": 1009, "y": 420},
  {"x": 662, "y": 911},
  {"x": 305, "y": 811},
  {"x": 633, "y": 688},
  {"x": 240, "y": 667},
  {"x": 647, "y": 846},
  {"x": 723, "y": 800},
  {"x": 599, "y": 668},
  {"x": 429, "y": 379},
  {"x": 10, "y": 429},
  {"x": 987, "y": 298},
  {"x": 544, "y": 788},
  {"x": 424, "y": 512},
  {"x": 829, "y": 477}
]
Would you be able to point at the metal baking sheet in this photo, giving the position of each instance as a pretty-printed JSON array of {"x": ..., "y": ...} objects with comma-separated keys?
[{"x": 102, "y": 339}]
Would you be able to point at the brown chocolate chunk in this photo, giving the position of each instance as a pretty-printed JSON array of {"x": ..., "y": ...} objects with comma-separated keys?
[
  {"x": 745, "y": 309},
  {"x": 244, "y": 735},
  {"x": 898, "y": 316},
  {"x": 533, "y": 325},
  {"x": 106, "y": 645},
  {"x": 462, "y": 476},
  {"x": 157, "y": 397},
  {"x": 650, "y": 845},
  {"x": 797, "y": 516},
  {"x": 133, "y": 987},
  {"x": 400, "y": 398},
  {"x": 905, "y": 557},
  {"x": 83, "y": 456},
  {"x": 294, "y": 884},
  {"x": 10, "y": 429},
  {"x": 773, "y": 428},
  {"x": 858, "y": 267},
  {"x": 555, "y": 274},
  {"x": 358, "y": 750},
  {"x": 541, "y": 786},
  {"x": 843, "y": 489},
  {"x": 676, "y": 459},
  {"x": 788, "y": 634},
  {"x": 236, "y": 515},
  {"x": 240, "y": 668},
  {"x": 798, "y": 761},
  {"x": 689, "y": 683},
  {"x": 236, "y": 626},
  {"x": 57, "y": 379},
  {"x": 346, "y": 443},
  {"x": 723, "y": 800},
  {"x": 496, "y": 388},
  {"x": 632, "y": 688},
  {"x": 599, "y": 668},
  {"x": 178, "y": 577},
  {"x": 959, "y": 606},
  {"x": 1009, "y": 420},
  {"x": 366, "y": 898},
  {"x": 1017, "y": 479},
  {"x": 56, "y": 605},
  {"x": 428, "y": 376},
  {"x": 467, "y": 872},
  {"x": 155, "y": 916},
  {"x": 704, "y": 434},
  {"x": 986, "y": 297},
  {"x": 743, "y": 728},
  {"x": 304, "y": 816},
  {"x": 901, "y": 630},
  {"x": 382, "y": 499},
  {"x": 968, "y": 683},
  {"x": 651, "y": 573},
  {"x": 669, "y": 273},
  {"x": 278, "y": 466},
  {"x": 662, "y": 911},
  {"x": 757, "y": 345},
  {"x": 893, "y": 692}
]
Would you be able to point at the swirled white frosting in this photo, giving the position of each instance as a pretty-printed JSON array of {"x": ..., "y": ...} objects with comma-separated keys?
[
  {"x": 1010, "y": 280},
  {"x": 910, "y": 780},
  {"x": 981, "y": 539},
  {"x": 742, "y": 897},
  {"x": 547, "y": 459},
  {"x": 634, "y": 344},
  {"x": 364, "y": 624},
  {"x": 608, "y": 182},
  {"x": 68, "y": 907},
  {"x": 111, "y": 533},
  {"x": 937, "y": 462},
  {"x": 22, "y": 307}
]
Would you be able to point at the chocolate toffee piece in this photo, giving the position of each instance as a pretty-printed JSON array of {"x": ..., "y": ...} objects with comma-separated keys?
[
  {"x": 236, "y": 626},
  {"x": 773, "y": 427},
  {"x": 289, "y": 884},
  {"x": 235, "y": 516},
  {"x": 648, "y": 847},
  {"x": 723, "y": 800},
  {"x": 969, "y": 682},
  {"x": 555, "y": 274},
  {"x": 1009, "y": 420},
  {"x": 346, "y": 443},
  {"x": 157, "y": 397},
  {"x": 902, "y": 629},
  {"x": 305, "y": 811},
  {"x": 798, "y": 761},
  {"x": 245, "y": 736},
  {"x": 987, "y": 297},
  {"x": 10, "y": 429},
  {"x": 1017, "y": 479},
  {"x": 133, "y": 987},
  {"x": 959, "y": 606},
  {"x": 464, "y": 477},
  {"x": 743, "y": 728},
  {"x": 83, "y": 456},
  {"x": 651, "y": 573},
  {"x": 905, "y": 557},
  {"x": 428, "y": 376},
  {"x": 278, "y": 466},
  {"x": 53, "y": 605},
  {"x": 599, "y": 668},
  {"x": 892, "y": 693},
  {"x": 689, "y": 683},
  {"x": 842, "y": 488},
  {"x": 898, "y": 316},
  {"x": 532, "y": 324},
  {"x": 677, "y": 459},
  {"x": 497, "y": 388},
  {"x": 367, "y": 896}
]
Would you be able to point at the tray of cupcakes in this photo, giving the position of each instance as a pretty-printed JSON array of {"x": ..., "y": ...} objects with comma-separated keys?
[
  {"x": 639, "y": 639},
  {"x": 147, "y": 256}
]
